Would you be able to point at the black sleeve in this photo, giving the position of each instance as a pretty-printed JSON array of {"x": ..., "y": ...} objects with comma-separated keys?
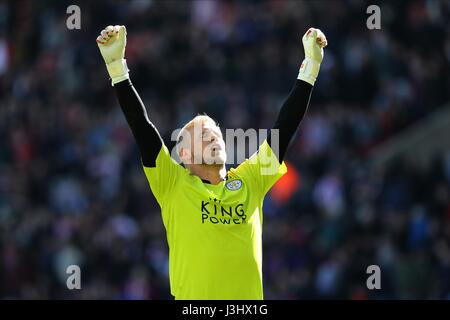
[
  {"x": 291, "y": 114},
  {"x": 147, "y": 137}
]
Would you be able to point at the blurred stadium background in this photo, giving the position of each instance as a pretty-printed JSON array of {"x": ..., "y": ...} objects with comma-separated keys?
[{"x": 369, "y": 169}]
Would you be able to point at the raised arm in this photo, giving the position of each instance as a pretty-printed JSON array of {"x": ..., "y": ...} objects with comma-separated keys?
[
  {"x": 112, "y": 42},
  {"x": 295, "y": 106}
]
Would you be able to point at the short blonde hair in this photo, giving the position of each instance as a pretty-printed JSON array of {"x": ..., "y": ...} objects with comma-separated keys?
[{"x": 199, "y": 119}]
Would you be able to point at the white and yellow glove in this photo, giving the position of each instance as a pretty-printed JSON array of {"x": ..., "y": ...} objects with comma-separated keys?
[
  {"x": 313, "y": 43},
  {"x": 111, "y": 42}
]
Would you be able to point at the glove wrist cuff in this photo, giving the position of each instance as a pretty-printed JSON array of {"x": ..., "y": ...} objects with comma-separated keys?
[
  {"x": 309, "y": 70},
  {"x": 118, "y": 71}
]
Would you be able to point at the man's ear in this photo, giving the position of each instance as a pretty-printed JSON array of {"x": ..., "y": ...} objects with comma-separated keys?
[
  {"x": 181, "y": 153},
  {"x": 184, "y": 155}
]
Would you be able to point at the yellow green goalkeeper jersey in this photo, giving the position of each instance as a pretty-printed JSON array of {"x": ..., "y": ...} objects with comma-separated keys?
[{"x": 214, "y": 232}]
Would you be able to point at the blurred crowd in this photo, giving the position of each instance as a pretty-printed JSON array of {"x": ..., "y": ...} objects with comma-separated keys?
[{"x": 72, "y": 190}]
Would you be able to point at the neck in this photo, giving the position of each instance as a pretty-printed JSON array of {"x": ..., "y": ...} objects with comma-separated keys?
[{"x": 212, "y": 173}]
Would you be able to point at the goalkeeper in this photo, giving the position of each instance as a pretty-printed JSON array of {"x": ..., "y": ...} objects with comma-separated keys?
[{"x": 213, "y": 218}]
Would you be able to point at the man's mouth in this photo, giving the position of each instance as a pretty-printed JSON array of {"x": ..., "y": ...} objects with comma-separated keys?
[{"x": 216, "y": 148}]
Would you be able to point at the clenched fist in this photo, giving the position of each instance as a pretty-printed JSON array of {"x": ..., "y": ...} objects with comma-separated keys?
[
  {"x": 111, "y": 42},
  {"x": 313, "y": 43}
]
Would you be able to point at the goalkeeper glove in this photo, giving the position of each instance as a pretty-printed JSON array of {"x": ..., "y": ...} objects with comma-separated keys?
[
  {"x": 313, "y": 43},
  {"x": 112, "y": 42}
]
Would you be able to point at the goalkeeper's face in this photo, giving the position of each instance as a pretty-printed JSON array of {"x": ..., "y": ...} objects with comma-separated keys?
[{"x": 204, "y": 144}]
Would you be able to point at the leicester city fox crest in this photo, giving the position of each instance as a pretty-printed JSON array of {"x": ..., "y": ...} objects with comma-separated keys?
[{"x": 234, "y": 185}]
